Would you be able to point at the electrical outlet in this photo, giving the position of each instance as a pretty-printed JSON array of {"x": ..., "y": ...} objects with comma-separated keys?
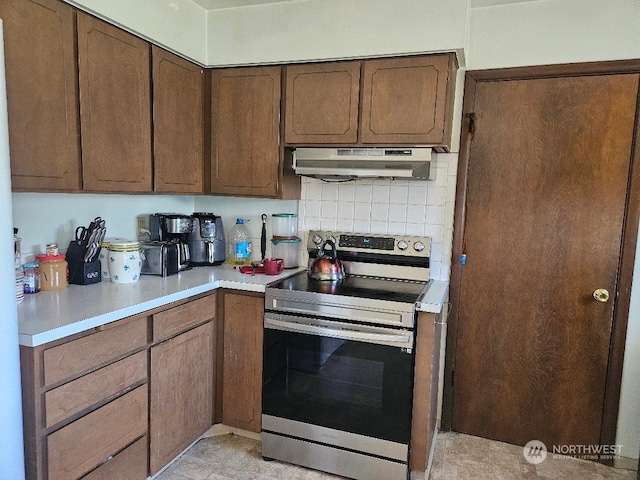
[{"x": 142, "y": 229}]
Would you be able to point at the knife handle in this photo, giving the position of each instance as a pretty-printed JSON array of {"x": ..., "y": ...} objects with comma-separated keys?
[{"x": 263, "y": 237}]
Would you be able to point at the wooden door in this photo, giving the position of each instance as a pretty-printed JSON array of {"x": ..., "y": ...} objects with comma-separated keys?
[
  {"x": 321, "y": 103},
  {"x": 178, "y": 124},
  {"x": 181, "y": 393},
  {"x": 242, "y": 361},
  {"x": 245, "y": 122},
  {"x": 42, "y": 94},
  {"x": 546, "y": 185},
  {"x": 407, "y": 100},
  {"x": 115, "y": 108}
]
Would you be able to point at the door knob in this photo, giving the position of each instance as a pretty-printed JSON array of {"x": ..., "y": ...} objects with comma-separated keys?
[{"x": 601, "y": 295}]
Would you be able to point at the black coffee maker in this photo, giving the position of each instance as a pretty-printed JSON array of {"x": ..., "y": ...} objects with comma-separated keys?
[
  {"x": 174, "y": 228},
  {"x": 206, "y": 240}
]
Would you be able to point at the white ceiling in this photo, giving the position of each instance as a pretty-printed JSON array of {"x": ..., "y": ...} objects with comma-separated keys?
[{"x": 214, "y": 4}]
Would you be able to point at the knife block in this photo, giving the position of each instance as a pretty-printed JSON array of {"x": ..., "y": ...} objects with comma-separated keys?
[{"x": 81, "y": 272}]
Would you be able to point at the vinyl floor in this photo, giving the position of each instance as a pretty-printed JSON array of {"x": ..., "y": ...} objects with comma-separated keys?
[{"x": 457, "y": 457}]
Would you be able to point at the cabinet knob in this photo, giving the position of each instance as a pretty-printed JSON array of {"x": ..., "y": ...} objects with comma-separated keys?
[{"x": 601, "y": 295}]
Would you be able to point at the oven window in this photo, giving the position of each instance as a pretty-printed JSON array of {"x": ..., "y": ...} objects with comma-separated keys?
[{"x": 346, "y": 385}]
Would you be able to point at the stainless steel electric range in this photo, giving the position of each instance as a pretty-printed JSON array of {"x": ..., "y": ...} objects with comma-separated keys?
[{"x": 338, "y": 358}]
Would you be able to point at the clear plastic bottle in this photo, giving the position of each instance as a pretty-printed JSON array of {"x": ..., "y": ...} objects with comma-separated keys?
[{"x": 239, "y": 244}]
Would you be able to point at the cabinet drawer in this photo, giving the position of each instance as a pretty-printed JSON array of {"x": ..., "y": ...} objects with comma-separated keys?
[
  {"x": 77, "y": 356},
  {"x": 180, "y": 318},
  {"x": 82, "y": 445},
  {"x": 129, "y": 464},
  {"x": 82, "y": 393}
]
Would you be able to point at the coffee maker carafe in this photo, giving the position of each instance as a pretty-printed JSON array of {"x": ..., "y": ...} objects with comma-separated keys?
[
  {"x": 174, "y": 228},
  {"x": 206, "y": 240}
]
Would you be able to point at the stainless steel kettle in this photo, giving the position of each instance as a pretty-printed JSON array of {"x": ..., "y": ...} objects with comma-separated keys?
[{"x": 327, "y": 267}]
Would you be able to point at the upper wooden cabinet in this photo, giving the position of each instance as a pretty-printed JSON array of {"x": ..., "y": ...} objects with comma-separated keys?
[
  {"x": 42, "y": 94},
  {"x": 115, "y": 108},
  {"x": 408, "y": 100},
  {"x": 405, "y": 100},
  {"x": 322, "y": 103},
  {"x": 245, "y": 132},
  {"x": 178, "y": 124}
]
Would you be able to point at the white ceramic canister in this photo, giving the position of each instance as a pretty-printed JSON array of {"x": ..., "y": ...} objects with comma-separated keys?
[
  {"x": 124, "y": 261},
  {"x": 104, "y": 255}
]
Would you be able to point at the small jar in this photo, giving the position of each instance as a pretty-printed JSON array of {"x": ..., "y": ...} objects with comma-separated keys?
[
  {"x": 53, "y": 272},
  {"x": 31, "y": 277},
  {"x": 124, "y": 262},
  {"x": 19, "y": 284},
  {"x": 52, "y": 249}
]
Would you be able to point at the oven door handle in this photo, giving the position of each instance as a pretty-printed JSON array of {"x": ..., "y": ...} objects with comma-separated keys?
[{"x": 399, "y": 338}]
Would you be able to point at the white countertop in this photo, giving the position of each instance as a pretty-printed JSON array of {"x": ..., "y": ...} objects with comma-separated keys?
[
  {"x": 51, "y": 315},
  {"x": 434, "y": 296},
  {"x": 47, "y": 316}
]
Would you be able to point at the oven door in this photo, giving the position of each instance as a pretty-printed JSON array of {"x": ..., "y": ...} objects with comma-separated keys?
[{"x": 340, "y": 376}]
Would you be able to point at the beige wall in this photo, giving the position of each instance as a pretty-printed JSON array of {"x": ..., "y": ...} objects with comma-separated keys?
[
  {"x": 542, "y": 32},
  {"x": 177, "y": 25},
  {"x": 332, "y": 29}
]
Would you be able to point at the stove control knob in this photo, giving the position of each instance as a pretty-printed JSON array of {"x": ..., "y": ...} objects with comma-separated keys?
[
  {"x": 317, "y": 239},
  {"x": 403, "y": 245},
  {"x": 333, "y": 239},
  {"x": 418, "y": 246}
]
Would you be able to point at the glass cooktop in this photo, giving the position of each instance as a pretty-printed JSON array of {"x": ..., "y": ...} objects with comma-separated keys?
[{"x": 355, "y": 286}]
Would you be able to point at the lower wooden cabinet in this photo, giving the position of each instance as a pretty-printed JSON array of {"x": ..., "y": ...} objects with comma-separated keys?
[
  {"x": 426, "y": 388},
  {"x": 122, "y": 400},
  {"x": 84, "y": 444},
  {"x": 242, "y": 361},
  {"x": 85, "y": 400},
  {"x": 129, "y": 464},
  {"x": 181, "y": 393}
]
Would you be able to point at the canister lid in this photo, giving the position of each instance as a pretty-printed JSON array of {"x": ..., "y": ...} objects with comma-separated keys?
[
  {"x": 50, "y": 258},
  {"x": 125, "y": 246},
  {"x": 289, "y": 215},
  {"x": 109, "y": 240},
  {"x": 277, "y": 241}
]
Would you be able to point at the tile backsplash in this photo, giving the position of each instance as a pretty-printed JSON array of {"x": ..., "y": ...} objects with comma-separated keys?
[{"x": 385, "y": 206}]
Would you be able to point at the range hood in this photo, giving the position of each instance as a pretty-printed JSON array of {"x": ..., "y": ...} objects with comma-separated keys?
[{"x": 351, "y": 163}]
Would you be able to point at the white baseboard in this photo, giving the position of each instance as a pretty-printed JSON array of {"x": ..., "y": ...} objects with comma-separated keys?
[{"x": 626, "y": 463}]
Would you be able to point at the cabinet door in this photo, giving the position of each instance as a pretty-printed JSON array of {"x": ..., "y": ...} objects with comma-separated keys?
[
  {"x": 405, "y": 100},
  {"x": 426, "y": 387},
  {"x": 321, "y": 103},
  {"x": 181, "y": 391},
  {"x": 245, "y": 126},
  {"x": 178, "y": 124},
  {"x": 42, "y": 94},
  {"x": 115, "y": 108},
  {"x": 242, "y": 361}
]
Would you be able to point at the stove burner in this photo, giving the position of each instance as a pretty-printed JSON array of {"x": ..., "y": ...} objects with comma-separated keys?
[{"x": 374, "y": 288}]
